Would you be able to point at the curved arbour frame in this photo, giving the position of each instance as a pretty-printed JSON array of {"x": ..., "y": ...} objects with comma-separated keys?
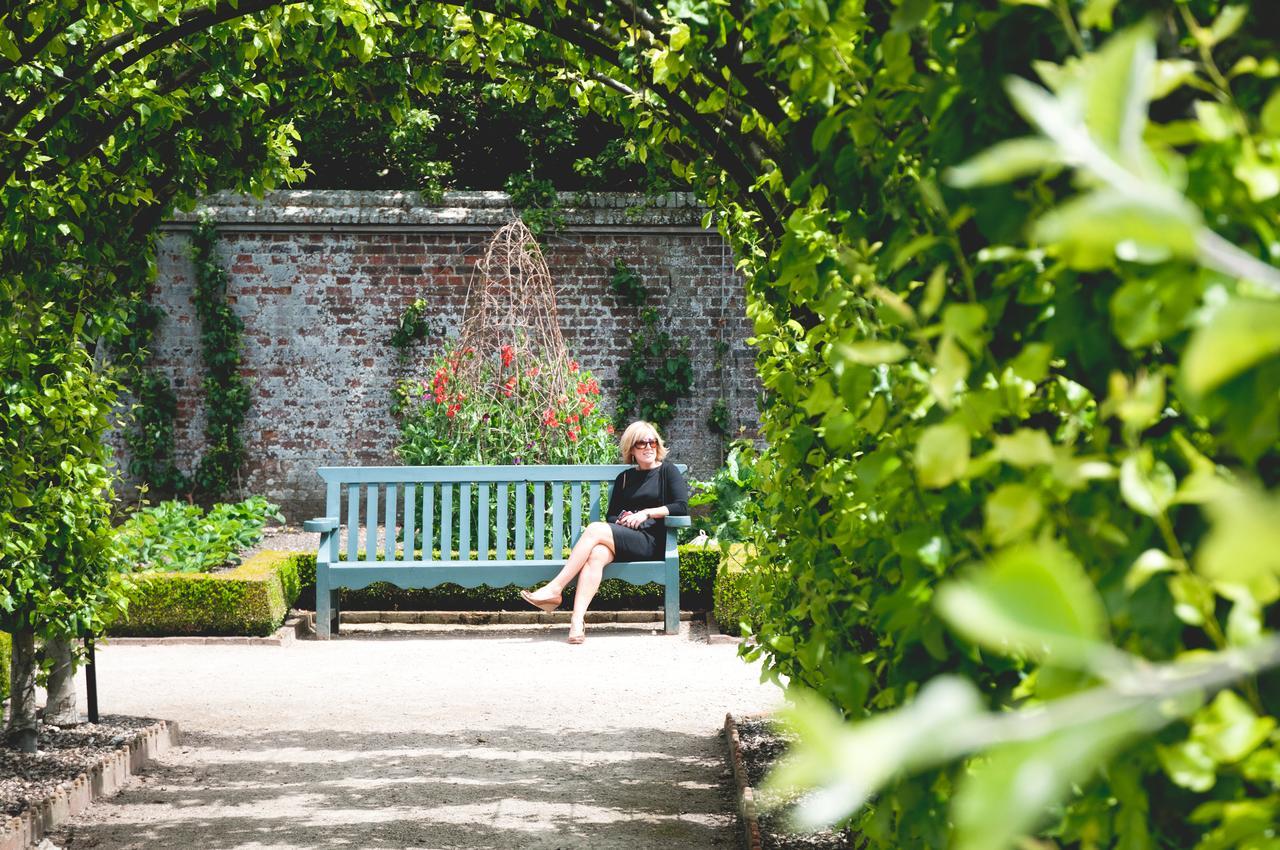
[{"x": 104, "y": 133}]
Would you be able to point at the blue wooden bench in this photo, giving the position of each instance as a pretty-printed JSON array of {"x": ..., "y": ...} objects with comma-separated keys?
[{"x": 470, "y": 525}]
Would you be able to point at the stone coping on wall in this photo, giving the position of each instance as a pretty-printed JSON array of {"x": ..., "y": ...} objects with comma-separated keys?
[{"x": 349, "y": 209}]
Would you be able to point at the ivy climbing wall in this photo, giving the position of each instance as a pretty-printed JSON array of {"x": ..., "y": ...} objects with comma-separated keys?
[{"x": 321, "y": 280}]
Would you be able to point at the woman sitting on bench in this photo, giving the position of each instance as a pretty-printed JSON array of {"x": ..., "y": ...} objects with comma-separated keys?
[{"x": 639, "y": 499}]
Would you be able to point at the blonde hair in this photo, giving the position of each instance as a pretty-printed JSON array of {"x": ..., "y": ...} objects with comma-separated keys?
[{"x": 633, "y": 433}]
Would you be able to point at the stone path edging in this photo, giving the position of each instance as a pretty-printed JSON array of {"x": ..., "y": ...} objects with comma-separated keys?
[
  {"x": 747, "y": 815},
  {"x": 101, "y": 780},
  {"x": 301, "y": 624}
]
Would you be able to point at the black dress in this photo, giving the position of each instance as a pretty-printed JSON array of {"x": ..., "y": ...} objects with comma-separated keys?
[{"x": 636, "y": 489}]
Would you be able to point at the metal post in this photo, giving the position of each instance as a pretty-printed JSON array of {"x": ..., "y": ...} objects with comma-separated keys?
[{"x": 91, "y": 681}]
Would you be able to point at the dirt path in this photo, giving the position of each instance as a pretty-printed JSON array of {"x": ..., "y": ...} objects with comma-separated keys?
[{"x": 470, "y": 740}]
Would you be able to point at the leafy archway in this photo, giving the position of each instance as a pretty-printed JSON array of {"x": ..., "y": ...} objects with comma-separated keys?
[{"x": 1062, "y": 414}]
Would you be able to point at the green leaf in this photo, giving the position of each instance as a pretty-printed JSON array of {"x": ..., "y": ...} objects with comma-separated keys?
[
  {"x": 1188, "y": 765},
  {"x": 1117, "y": 83},
  {"x": 1229, "y": 729},
  {"x": 1097, "y": 14},
  {"x": 942, "y": 454},
  {"x": 1025, "y": 448},
  {"x": 1147, "y": 485},
  {"x": 1270, "y": 115},
  {"x": 1148, "y": 564},
  {"x": 1171, "y": 75},
  {"x": 951, "y": 366},
  {"x": 1012, "y": 512},
  {"x": 1241, "y": 552},
  {"x": 1032, "y": 599},
  {"x": 872, "y": 352},
  {"x": 1225, "y": 25},
  {"x": 1005, "y": 161},
  {"x": 1105, "y": 222},
  {"x": 1239, "y": 335}
]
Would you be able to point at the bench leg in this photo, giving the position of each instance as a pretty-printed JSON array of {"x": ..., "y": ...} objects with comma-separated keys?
[
  {"x": 326, "y": 604},
  {"x": 671, "y": 599}
]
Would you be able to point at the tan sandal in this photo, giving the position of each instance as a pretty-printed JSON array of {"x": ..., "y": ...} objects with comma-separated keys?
[
  {"x": 580, "y": 637},
  {"x": 547, "y": 605}
]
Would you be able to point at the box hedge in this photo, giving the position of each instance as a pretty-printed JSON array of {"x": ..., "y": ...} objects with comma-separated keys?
[
  {"x": 251, "y": 599},
  {"x": 6, "y": 648},
  {"x": 698, "y": 566},
  {"x": 733, "y": 601}
]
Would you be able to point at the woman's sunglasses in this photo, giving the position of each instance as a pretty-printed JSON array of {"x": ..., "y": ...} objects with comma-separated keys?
[{"x": 645, "y": 444}]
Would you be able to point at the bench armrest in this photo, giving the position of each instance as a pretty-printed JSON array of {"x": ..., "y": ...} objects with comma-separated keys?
[
  {"x": 321, "y": 524},
  {"x": 678, "y": 521}
]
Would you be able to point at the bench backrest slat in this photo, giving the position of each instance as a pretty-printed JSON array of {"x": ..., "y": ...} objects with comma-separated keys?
[
  {"x": 482, "y": 524},
  {"x": 353, "y": 520},
  {"x": 446, "y": 521},
  {"x": 481, "y": 513},
  {"x": 521, "y": 514},
  {"x": 389, "y": 523},
  {"x": 502, "y": 522},
  {"x": 408, "y": 543},
  {"x": 557, "y": 519}
]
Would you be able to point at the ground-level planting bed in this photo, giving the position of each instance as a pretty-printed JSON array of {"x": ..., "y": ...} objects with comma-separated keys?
[
  {"x": 763, "y": 742},
  {"x": 61, "y": 755}
]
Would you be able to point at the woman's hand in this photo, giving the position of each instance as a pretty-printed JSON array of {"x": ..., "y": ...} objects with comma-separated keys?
[{"x": 633, "y": 520}]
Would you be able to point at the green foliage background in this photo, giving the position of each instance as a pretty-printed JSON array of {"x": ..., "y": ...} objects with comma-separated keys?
[{"x": 1055, "y": 395}]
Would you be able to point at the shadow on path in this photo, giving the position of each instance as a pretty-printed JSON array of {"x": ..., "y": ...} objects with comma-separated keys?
[{"x": 511, "y": 787}]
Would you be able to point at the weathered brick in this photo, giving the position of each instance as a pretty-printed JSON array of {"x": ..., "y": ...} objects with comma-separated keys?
[{"x": 319, "y": 306}]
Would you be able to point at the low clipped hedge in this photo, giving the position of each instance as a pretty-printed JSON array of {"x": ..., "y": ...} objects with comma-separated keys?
[
  {"x": 251, "y": 599},
  {"x": 6, "y": 648},
  {"x": 698, "y": 567},
  {"x": 733, "y": 601}
]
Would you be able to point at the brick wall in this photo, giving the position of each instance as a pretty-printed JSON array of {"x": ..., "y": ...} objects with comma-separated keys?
[{"x": 322, "y": 278}]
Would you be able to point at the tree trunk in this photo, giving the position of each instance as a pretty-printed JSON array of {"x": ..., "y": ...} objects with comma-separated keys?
[
  {"x": 21, "y": 732},
  {"x": 61, "y": 708}
]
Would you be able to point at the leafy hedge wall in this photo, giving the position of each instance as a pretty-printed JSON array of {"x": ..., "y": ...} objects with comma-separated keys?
[
  {"x": 252, "y": 599},
  {"x": 1045, "y": 377},
  {"x": 698, "y": 565}
]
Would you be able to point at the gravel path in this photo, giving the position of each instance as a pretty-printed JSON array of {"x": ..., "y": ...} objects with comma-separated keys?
[{"x": 477, "y": 739}]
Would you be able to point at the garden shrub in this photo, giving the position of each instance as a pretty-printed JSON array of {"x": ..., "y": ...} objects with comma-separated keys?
[
  {"x": 181, "y": 537},
  {"x": 251, "y": 599},
  {"x": 728, "y": 496},
  {"x": 6, "y": 647},
  {"x": 975, "y": 438},
  {"x": 698, "y": 567},
  {"x": 733, "y": 593}
]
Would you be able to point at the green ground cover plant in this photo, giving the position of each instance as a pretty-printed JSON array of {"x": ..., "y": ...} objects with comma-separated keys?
[
  {"x": 251, "y": 599},
  {"x": 181, "y": 537}
]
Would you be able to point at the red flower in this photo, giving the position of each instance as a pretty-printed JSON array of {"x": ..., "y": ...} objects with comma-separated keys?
[
  {"x": 608, "y": 429},
  {"x": 508, "y": 354},
  {"x": 587, "y": 407},
  {"x": 549, "y": 419},
  {"x": 573, "y": 365},
  {"x": 571, "y": 419},
  {"x": 533, "y": 372},
  {"x": 573, "y": 435},
  {"x": 453, "y": 410}
]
